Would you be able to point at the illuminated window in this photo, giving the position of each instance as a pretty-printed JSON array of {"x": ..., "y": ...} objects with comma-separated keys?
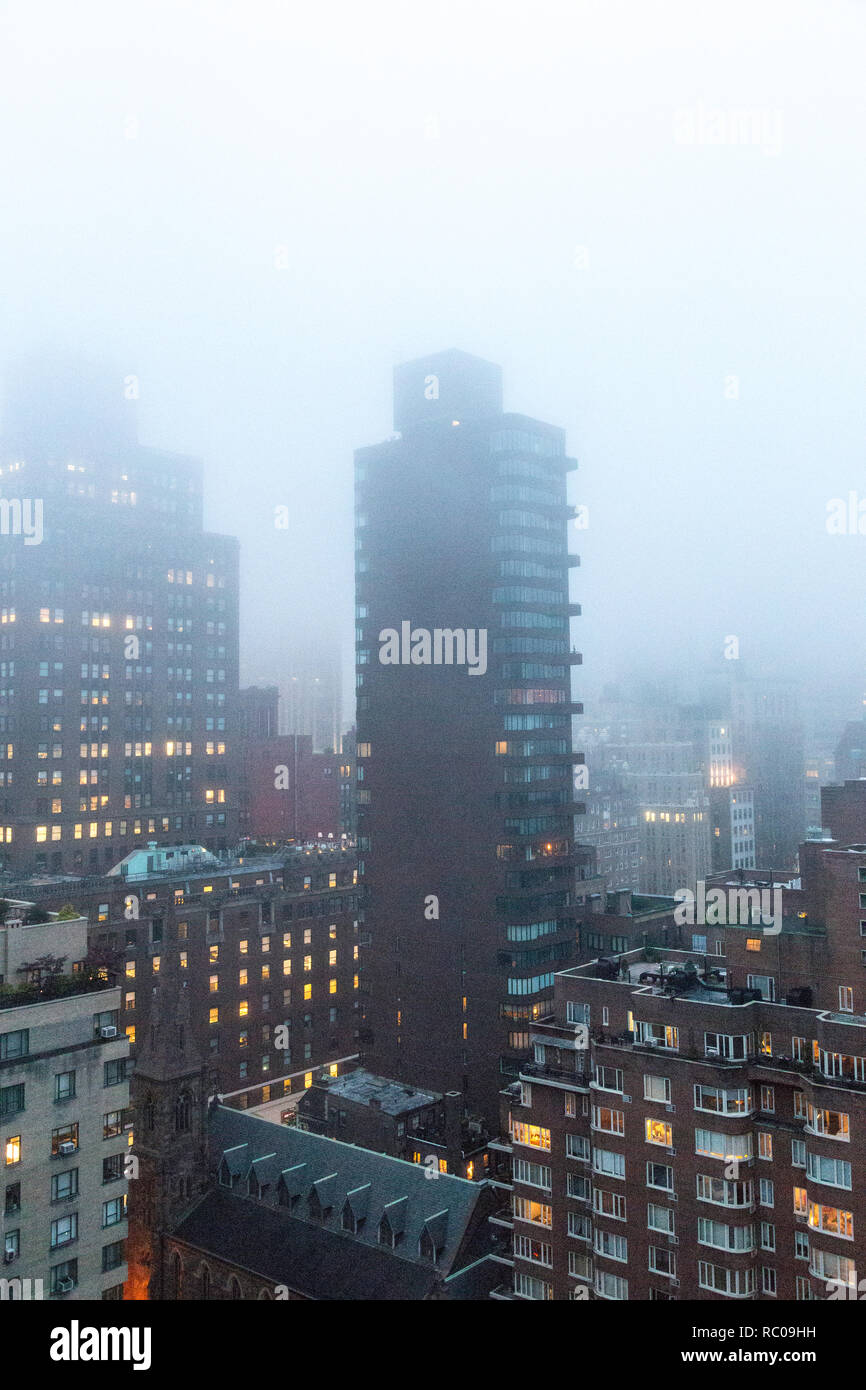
[
  {"x": 214, "y": 1016},
  {"x": 308, "y": 991},
  {"x": 243, "y": 947},
  {"x": 753, "y": 943},
  {"x": 831, "y": 1219},
  {"x": 214, "y": 984},
  {"x": 308, "y": 1079},
  {"x": 658, "y": 1132},
  {"x": 243, "y": 1008},
  {"x": 242, "y": 977},
  {"x": 13, "y": 1150},
  {"x": 533, "y": 1136},
  {"x": 332, "y": 987},
  {"x": 308, "y": 962}
]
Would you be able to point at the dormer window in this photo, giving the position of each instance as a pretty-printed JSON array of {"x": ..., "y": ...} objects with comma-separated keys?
[
  {"x": 349, "y": 1221},
  {"x": 426, "y": 1248}
]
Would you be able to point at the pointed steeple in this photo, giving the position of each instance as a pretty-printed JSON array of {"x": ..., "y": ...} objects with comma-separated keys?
[{"x": 168, "y": 1050}]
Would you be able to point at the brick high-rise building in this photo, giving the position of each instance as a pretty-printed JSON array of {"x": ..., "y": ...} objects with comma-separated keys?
[
  {"x": 466, "y": 798},
  {"x": 267, "y": 950},
  {"x": 692, "y": 1126},
  {"x": 118, "y": 641}
]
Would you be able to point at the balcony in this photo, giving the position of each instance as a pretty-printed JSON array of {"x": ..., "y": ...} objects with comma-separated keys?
[
  {"x": 503, "y": 1217},
  {"x": 541, "y": 1071}
]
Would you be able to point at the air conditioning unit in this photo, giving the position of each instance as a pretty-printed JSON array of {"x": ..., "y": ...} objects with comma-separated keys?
[
  {"x": 8, "y": 1256},
  {"x": 627, "y": 1100},
  {"x": 674, "y": 1240},
  {"x": 675, "y": 1283},
  {"x": 68, "y": 1146},
  {"x": 65, "y": 1285},
  {"x": 109, "y": 1031},
  {"x": 672, "y": 1152},
  {"x": 672, "y": 1196},
  {"x": 671, "y": 1109}
]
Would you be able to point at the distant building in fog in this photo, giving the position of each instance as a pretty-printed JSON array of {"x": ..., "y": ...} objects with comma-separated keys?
[
  {"x": 258, "y": 712},
  {"x": 311, "y": 698},
  {"x": 610, "y": 825},
  {"x": 666, "y": 785},
  {"x": 119, "y": 645},
  {"x": 769, "y": 756},
  {"x": 851, "y": 752}
]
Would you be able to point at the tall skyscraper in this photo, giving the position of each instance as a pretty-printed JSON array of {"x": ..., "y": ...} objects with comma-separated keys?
[
  {"x": 118, "y": 639},
  {"x": 466, "y": 798}
]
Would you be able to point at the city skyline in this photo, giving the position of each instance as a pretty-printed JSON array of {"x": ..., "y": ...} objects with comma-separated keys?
[{"x": 432, "y": 690}]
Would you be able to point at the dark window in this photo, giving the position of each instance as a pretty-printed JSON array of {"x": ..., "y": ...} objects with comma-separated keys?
[
  {"x": 11, "y": 1100},
  {"x": 112, "y": 1168},
  {"x": 14, "y": 1044},
  {"x": 114, "y": 1255}
]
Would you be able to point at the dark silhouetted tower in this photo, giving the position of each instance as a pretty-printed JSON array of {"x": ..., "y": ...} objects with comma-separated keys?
[{"x": 466, "y": 797}]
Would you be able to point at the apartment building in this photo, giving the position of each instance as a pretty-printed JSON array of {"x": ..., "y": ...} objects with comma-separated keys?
[
  {"x": 692, "y": 1126},
  {"x": 269, "y": 948},
  {"x": 65, "y": 1121},
  {"x": 118, "y": 642}
]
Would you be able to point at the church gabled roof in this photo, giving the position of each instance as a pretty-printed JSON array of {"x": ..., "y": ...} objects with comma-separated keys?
[{"x": 445, "y": 1210}]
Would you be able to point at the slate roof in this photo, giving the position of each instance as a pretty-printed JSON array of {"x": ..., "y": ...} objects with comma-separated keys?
[
  {"x": 302, "y": 1244},
  {"x": 308, "y": 1259}
]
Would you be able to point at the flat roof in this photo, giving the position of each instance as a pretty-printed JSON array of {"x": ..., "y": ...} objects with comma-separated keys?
[{"x": 394, "y": 1097}]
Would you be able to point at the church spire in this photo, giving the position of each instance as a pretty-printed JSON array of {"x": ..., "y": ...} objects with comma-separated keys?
[{"x": 169, "y": 1050}]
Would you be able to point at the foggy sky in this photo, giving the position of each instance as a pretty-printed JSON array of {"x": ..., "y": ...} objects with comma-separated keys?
[{"x": 504, "y": 178}]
